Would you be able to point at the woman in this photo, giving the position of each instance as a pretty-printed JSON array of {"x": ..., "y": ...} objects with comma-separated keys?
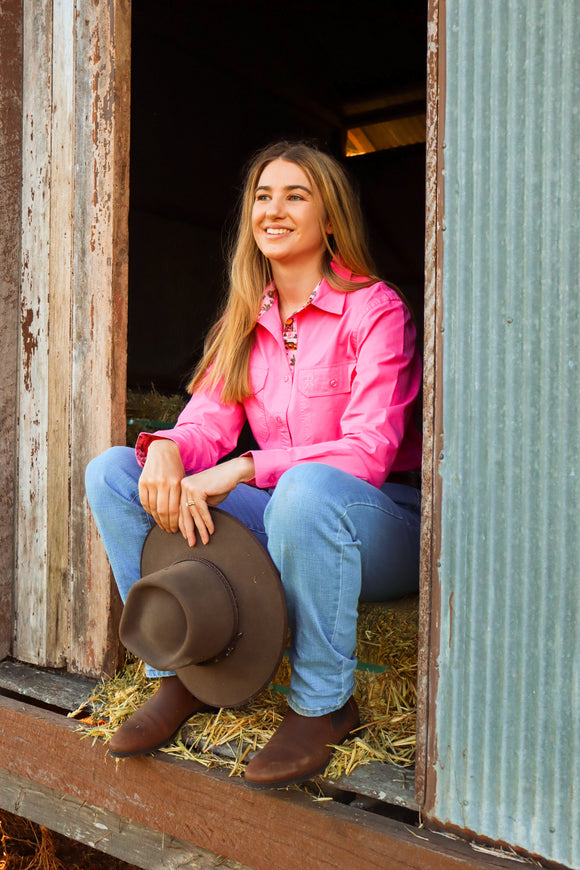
[{"x": 319, "y": 356}]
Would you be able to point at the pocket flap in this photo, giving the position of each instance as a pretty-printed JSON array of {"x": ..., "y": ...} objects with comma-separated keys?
[{"x": 326, "y": 380}]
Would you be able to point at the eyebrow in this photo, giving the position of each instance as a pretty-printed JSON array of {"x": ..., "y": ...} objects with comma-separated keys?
[{"x": 287, "y": 187}]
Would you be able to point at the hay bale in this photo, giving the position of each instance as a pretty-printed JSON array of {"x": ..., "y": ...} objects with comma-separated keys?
[
  {"x": 151, "y": 410},
  {"x": 386, "y": 679}
]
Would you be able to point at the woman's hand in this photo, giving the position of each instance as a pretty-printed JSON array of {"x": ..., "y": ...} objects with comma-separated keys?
[
  {"x": 209, "y": 488},
  {"x": 160, "y": 483}
]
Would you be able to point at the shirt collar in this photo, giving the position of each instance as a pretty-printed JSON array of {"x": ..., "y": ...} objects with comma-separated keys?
[{"x": 327, "y": 299}]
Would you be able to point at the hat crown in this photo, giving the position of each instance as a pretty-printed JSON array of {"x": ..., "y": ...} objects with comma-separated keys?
[
  {"x": 233, "y": 638},
  {"x": 183, "y": 614}
]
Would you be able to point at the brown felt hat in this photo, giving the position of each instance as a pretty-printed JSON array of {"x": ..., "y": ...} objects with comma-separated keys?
[{"x": 214, "y": 614}]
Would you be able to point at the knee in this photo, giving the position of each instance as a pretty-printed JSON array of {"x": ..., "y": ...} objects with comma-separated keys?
[
  {"x": 303, "y": 494},
  {"x": 104, "y": 471}
]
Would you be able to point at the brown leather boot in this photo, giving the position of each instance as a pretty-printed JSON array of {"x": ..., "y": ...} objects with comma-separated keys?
[
  {"x": 300, "y": 748},
  {"x": 157, "y": 722}
]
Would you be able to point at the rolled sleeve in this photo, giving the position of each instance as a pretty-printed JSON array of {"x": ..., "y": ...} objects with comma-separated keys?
[{"x": 206, "y": 430}]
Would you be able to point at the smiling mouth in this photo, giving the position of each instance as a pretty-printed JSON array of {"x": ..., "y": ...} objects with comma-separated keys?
[{"x": 277, "y": 231}]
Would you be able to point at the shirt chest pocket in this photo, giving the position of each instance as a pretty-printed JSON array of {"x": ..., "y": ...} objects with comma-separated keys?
[
  {"x": 326, "y": 381},
  {"x": 258, "y": 379}
]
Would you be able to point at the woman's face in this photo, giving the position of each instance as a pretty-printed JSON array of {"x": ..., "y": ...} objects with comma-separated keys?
[{"x": 286, "y": 216}]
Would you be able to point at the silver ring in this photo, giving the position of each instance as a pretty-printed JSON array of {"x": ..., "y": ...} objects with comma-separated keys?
[{"x": 190, "y": 503}]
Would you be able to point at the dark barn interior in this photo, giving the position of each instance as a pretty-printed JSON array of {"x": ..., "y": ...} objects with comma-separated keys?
[{"x": 214, "y": 81}]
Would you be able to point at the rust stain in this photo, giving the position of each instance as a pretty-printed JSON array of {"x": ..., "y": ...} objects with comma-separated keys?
[
  {"x": 97, "y": 52},
  {"x": 29, "y": 344},
  {"x": 96, "y": 61},
  {"x": 451, "y": 613},
  {"x": 90, "y": 657},
  {"x": 34, "y": 450},
  {"x": 95, "y": 182},
  {"x": 96, "y": 102}
]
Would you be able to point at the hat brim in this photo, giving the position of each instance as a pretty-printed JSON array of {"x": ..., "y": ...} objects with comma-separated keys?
[{"x": 239, "y": 677}]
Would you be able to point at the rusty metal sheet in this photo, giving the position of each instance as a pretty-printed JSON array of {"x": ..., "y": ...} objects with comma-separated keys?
[{"x": 508, "y": 695}]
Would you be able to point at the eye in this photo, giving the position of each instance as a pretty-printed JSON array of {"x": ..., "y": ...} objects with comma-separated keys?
[
  {"x": 262, "y": 197},
  {"x": 295, "y": 197}
]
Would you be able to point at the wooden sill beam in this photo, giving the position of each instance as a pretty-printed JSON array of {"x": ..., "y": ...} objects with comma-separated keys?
[
  {"x": 262, "y": 829},
  {"x": 99, "y": 829}
]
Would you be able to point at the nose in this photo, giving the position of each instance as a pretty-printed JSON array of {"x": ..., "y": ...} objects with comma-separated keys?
[{"x": 275, "y": 206}]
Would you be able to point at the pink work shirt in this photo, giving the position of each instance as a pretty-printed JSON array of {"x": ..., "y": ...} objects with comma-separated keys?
[{"x": 348, "y": 401}]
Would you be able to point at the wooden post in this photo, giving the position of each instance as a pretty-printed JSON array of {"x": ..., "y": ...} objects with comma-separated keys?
[
  {"x": 73, "y": 309},
  {"x": 99, "y": 327},
  {"x": 432, "y": 402},
  {"x": 10, "y": 182},
  {"x": 31, "y": 586}
]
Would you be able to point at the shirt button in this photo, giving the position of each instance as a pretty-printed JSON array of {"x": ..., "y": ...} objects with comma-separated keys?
[
  {"x": 286, "y": 378},
  {"x": 333, "y": 383},
  {"x": 279, "y": 421}
]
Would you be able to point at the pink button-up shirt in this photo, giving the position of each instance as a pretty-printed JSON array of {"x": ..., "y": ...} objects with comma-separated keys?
[{"x": 349, "y": 401}]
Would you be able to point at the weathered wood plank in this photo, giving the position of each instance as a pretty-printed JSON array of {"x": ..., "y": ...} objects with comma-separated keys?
[
  {"x": 218, "y": 813},
  {"x": 392, "y": 785},
  {"x": 382, "y": 782},
  {"x": 66, "y": 691},
  {"x": 78, "y": 820},
  {"x": 100, "y": 308},
  {"x": 10, "y": 229},
  {"x": 58, "y": 569},
  {"x": 30, "y": 595},
  {"x": 73, "y": 322}
]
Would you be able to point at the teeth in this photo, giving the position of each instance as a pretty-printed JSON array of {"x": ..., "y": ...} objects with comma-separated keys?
[{"x": 277, "y": 232}]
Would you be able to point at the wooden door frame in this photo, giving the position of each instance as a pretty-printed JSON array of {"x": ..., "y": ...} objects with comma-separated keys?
[
  {"x": 94, "y": 249},
  {"x": 430, "y": 598}
]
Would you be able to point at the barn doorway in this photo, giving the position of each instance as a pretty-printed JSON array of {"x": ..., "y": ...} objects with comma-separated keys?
[{"x": 213, "y": 82}]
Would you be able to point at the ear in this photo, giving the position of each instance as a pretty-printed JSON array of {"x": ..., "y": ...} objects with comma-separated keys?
[{"x": 328, "y": 228}]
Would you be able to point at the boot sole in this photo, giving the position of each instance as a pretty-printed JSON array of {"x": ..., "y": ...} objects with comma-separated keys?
[
  {"x": 306, "y": 777},
  {"x": 284, "y": 783},
  {"x": 149, "y": 749}
]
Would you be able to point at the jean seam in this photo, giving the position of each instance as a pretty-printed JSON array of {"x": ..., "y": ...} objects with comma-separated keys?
[{"x": 340, "y": 594}]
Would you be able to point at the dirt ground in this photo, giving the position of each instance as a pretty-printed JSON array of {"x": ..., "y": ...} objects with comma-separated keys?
[{"x": 27, "y": 846}]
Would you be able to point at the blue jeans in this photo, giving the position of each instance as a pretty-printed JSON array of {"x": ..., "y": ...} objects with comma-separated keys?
[{"x": 335, "y": 540}]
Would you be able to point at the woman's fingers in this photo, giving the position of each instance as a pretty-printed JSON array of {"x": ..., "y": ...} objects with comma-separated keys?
[
  {"x": 162, "y": 504},
  {"x": 160, "y": 483},
  {"x": 208, "y": 488},
  {"x": 195, "y": 514},
  {"x": 167, "y": 508},
  {"x": 187, "y": 526}
]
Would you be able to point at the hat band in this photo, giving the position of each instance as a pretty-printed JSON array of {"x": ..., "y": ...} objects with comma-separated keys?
[{"x": 231, "y": 644}]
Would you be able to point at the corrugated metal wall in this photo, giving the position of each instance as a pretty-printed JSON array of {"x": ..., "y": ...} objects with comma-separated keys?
[{"x": 508, "y": 697}]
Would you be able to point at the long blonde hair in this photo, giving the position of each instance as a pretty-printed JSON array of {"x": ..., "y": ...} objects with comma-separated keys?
[{"x": 226, "y": 357}]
